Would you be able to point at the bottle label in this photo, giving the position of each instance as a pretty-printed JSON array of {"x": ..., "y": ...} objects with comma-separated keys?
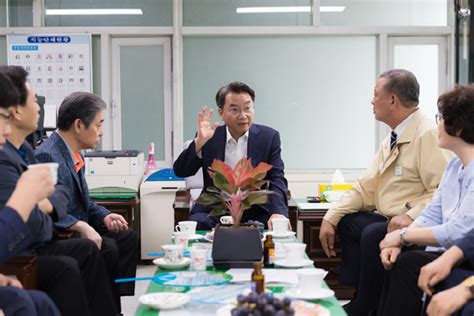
[{"x": 271, "y": 256}]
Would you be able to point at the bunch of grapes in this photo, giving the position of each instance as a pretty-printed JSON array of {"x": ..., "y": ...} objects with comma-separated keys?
[{"x": 262, "y": 305}]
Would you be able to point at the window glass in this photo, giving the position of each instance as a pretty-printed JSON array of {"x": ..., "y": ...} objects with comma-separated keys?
[
  {"x": 315, "y": 91},
  {"x": 385, "y": 12},
  {"x": 224, "y": 13},
  {"x": 155, "y": 13},
  {"x": 20, "y": 13}
]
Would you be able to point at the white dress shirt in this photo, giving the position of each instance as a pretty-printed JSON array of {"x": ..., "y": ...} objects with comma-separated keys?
[{"x": 235, "y": 149}]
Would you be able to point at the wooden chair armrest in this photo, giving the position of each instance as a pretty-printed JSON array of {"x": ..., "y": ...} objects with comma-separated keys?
[{"x": 25, "y": 270}]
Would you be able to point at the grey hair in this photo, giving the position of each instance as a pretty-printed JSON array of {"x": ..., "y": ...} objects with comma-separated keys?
[
  {"x": 403, "y": 83},
  {"x": 79, "y": 105}
]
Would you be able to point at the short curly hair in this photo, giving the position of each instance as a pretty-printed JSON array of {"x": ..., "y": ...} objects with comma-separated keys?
[{"x": 457, "y": 109}]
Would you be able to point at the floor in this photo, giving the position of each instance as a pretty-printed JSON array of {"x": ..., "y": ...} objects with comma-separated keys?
[{"x": 130, "y": 303}]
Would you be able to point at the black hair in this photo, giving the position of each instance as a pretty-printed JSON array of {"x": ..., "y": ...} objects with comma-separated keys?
[
  {"x": 233, "y": 87},
  {"x": 79, "y": 105},
  {"x": 18, "y": 76},
  {"x": 9, "y": 95},
  {"x": 457, "y": 109}
]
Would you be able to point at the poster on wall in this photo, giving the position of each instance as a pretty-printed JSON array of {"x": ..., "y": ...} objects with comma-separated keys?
[{"x": 57, "y": 65}]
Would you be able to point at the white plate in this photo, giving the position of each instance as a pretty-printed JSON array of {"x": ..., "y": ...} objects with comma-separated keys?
[
  {"x": 293, "y": 264},
  {"x": 195, "y": 237},
  {"x": 162, "y": 264},
  {"x": 281, "y": 236},
  {"x": 316, "y": 295},
  {"x": 225, "y": 310},
  {"x": 164, "y": 300}
]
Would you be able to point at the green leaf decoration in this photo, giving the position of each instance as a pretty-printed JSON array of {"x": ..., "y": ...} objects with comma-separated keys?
[{"x": 235, "y": 190}]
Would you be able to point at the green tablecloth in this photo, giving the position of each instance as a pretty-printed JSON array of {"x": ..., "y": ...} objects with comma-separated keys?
[{"x": 332, "y": 304}]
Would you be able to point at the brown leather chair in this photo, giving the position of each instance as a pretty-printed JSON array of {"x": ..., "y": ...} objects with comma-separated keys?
[{"x": 25, "y": 270}]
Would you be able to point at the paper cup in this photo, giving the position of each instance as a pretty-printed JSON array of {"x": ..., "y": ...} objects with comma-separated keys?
[{"x": 53, "y": 168}]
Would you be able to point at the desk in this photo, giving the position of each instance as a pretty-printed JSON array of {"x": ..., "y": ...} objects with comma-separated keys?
[
  {"x": 332, "y": 304},
  {"x": 181, "y": 208},
  {"x": 311, "y": 215}
]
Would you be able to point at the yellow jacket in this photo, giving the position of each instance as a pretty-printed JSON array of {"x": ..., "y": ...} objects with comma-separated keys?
[{"x": 399, "y": 181}]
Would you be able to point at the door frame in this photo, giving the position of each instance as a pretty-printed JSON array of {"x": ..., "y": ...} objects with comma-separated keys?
[{"x": 116, "y": 105}]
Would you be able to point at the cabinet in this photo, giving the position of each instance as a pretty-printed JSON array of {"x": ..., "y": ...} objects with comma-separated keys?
[
  {"x": 311, "y": 218},
  {"x": 129, "y": 208}
]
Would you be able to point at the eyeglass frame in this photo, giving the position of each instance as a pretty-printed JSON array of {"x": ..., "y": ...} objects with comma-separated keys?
[{"x": 234, "y": 110}]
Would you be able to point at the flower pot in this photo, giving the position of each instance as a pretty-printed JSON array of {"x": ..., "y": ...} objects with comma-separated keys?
[{"x": 236, "y": 247}]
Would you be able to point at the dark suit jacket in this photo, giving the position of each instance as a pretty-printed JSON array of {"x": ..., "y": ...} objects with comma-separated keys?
[
  {"x": 79, "y": 206},
  {"x": 263, "y": 146},
  {"x": 15, "y": 234},
  {"x": 12, "y": 165},
  {"x": 467, "y": 246}
]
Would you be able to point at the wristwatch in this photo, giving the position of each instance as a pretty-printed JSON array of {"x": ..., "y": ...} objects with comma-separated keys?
[
  {"x": 469, "y": 283},
  {"x": 403, "y": 242}
]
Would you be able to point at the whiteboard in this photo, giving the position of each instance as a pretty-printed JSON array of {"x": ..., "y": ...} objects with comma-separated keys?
[{"x": 57, "y": 65}]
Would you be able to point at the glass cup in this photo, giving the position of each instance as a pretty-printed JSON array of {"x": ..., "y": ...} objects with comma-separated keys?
[
  {"x": 198, "y": 258},
  {"x": 181, "y": 238}
]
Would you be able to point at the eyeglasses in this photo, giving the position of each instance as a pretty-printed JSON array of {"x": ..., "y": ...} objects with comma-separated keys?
[
  {"x": 438, "y": 117},
  {"x": 238, "y": 111}
]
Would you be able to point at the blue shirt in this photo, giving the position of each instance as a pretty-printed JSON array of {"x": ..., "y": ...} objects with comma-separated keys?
[{"x": 451, "y": 212}]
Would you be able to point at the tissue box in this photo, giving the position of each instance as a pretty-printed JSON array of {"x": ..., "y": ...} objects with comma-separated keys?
[
  {"x": 337, "y": 188},
  {"x": 334, "y": 187}
]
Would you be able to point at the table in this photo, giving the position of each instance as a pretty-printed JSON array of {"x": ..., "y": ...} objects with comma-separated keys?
[
  {"x": 311, "y": 215},
  {"x": 332, "y": 304},
  {"x": 181, "y": 208}
]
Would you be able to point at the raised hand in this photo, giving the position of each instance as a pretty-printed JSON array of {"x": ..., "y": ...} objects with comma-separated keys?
[{"x": 205, "y": 129}]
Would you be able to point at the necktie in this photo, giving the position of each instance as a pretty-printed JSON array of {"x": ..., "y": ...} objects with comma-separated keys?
[
  {"x": 393, "y": 140},
  {"x": 80, "y": 163}
]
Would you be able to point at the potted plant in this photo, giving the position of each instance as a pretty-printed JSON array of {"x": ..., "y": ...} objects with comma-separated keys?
[{"x": 234, "y": 191}]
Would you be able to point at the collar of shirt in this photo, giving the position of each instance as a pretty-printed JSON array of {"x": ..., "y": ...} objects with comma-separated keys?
[
  {"x": 403, "y": 125},
  {"x": 22, "y": 153},
  {"x": 73, "y": 156},
  {"x": 244, "y": 137},
  {"x": 235, "y": 149}
]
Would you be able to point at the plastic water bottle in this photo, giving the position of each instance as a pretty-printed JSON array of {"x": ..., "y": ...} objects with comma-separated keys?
[{"x": 150, "y": 165}]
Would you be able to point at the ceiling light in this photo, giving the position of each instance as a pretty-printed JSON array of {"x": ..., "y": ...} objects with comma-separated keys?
[
  {"x": 288, "y": 9},
  {"x": 94, "y": 12},
  {"x": 332, "y": 9}
]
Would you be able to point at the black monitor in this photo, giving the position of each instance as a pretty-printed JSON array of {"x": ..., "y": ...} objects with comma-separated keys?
[{"x": 35, "y": 138}]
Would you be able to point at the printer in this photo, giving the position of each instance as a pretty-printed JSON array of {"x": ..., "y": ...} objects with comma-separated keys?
[{"x": 114, "y": 170}]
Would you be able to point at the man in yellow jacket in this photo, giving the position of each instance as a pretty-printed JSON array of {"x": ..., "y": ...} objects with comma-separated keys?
[{"x": 393, "y": 191}]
